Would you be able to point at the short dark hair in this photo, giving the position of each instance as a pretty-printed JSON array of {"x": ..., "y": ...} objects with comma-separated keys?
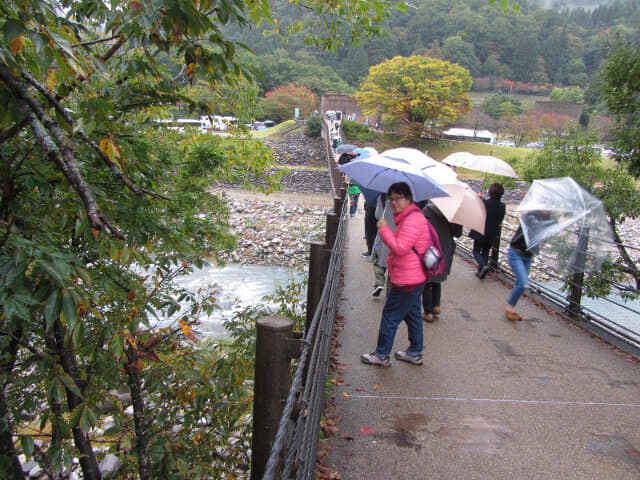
[
  {"x": 496, "y": 190},
  {"x": 401, "y": 188}
]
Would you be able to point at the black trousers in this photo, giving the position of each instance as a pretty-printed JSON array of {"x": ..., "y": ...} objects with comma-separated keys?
[
  {"x": 370, "y": 226},
  {"x": 431, "y": 296}
]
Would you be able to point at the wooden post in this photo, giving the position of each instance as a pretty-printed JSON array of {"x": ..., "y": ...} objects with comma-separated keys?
[
  {"x": 577, "y": 279},
  {"x": 271, "y": 387},
  {"x": 319, "y": 257},
  {"x": 333, "y": 220}
]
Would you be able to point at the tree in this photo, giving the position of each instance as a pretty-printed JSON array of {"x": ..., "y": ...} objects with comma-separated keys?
[
  {"x": 100, "y": 213},
  {"x": 280, "y": 104},
  {"x": 569, "y": 94},
  {"x": 419, "y": 93},
  {"x": 501, "y": 104},
  {"x": 621, "y": 93},
  {"x": 456, "y": 50}
]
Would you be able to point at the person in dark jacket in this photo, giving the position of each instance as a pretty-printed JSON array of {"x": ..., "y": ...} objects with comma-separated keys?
[
  {"x": 482, "y": 242},
  {"x": 446, "y": 232},
  {"x": 370, "y": 220}
]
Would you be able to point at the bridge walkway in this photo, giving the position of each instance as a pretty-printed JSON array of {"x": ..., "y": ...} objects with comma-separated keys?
[{"x": 536, "y": 399}]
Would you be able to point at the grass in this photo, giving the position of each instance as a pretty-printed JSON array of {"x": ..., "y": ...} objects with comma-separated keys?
[{"x": 273, "y": 130}]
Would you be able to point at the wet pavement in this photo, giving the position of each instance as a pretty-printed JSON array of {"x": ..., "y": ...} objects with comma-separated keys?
[{"x": 536, "y": 399}]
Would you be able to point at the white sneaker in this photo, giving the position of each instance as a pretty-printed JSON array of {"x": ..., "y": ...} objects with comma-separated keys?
[
  {"x": 377, "y": 291},
  {"x": 373, "y": 359},
  {"x": 405, "y": 357}
]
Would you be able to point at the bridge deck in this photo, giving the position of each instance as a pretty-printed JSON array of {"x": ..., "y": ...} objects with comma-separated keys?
[{"x": 536, "y": 399}]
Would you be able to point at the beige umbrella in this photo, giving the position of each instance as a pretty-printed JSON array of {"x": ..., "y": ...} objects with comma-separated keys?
[{"x": 463, "y": 206}]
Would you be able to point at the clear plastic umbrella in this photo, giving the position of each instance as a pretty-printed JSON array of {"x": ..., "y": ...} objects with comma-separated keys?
[{"x": 567, "y": 224}]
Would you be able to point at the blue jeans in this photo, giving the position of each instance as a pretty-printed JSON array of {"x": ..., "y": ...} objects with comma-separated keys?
[
  {"x": 521, "y": 265},
  {"x": 398, "y": 307},
  {"x": 353, "y": 204}
]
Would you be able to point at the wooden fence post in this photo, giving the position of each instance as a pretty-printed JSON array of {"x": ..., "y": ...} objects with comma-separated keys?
[
  {"x": 333, "y": 220},
  {"x": 271, "y": 386},
  {"x": 319, "y": 257}
]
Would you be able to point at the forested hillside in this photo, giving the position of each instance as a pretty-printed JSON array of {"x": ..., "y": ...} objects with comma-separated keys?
[{"x": 536, "y": 47}]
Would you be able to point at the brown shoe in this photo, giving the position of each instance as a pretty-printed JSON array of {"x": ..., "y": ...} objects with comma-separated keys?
[
  {"x": 513, "y": 316},
  {"x": 428, "y": 317}
]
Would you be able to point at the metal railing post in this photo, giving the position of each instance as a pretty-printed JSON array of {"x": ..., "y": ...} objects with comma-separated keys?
[
  {"x": 271, "y": 386},
  {"x": 577, "y": 279}
]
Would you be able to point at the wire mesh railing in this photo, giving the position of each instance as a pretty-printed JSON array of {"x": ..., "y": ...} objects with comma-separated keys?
[
  {"x": 574, "y": 293},
  {"x": 293, "y": 454}
]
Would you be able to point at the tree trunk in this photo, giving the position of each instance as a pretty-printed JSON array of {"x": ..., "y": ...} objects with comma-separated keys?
[
  {"x": 9, "y": 463},
  {"x": 88, "y": 462},
  {"x": 141, "y": 424}
]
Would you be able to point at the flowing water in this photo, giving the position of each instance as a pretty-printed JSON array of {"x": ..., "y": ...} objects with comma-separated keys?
[{"x": 239, "y": 286}]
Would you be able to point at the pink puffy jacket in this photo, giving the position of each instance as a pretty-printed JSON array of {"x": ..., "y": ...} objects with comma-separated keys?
[{"x": 405, "y": 266}]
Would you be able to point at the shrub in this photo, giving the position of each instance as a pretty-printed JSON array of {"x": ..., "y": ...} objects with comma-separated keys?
[
  {"x": 357, "y": 132},
  {"x": 313, "y": 127}
]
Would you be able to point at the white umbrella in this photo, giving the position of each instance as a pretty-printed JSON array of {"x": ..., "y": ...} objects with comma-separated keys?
[
  {"x": 567, "y": 223},
  {"x": 458, "y": 158},
  {"x": 434, "y": 169},
  {"x": 378, "y": 172},
  {"x": 481, "y": 163},
  {"x": 463, "y": 206}
]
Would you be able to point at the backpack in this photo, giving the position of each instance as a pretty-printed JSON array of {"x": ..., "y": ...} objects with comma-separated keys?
[{"x": 433, "y": 262}]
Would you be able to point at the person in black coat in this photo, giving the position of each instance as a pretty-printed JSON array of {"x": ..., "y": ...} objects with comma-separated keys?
[
  {"x": 482, "y": 243},
  {"x": 446, "y": 232}
]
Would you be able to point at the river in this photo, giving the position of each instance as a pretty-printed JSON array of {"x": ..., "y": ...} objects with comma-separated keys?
[{"x": 240, "y": 286}]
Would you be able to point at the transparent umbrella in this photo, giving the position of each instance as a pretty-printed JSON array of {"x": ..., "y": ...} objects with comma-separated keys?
[{"x": 567, "y": 224}]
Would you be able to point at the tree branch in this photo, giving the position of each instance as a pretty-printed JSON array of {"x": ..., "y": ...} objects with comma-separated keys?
[
  {"x": 44, "y": 128},
  {"x": 94, "y": 146},
  {"x": 631, "y": 266}
]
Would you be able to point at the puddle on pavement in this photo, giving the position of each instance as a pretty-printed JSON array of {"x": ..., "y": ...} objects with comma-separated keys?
[
  {"x": 613, "y": 446},
  {"x": 466, "y": 315},
  {"x": 505, "y": 349},
  {"x": 407, "y": 430},
  {"x": 477, "y": 435}
]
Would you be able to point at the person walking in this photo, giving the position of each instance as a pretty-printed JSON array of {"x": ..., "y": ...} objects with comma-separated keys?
[
  {"x": 482, "y": 242},
  {"x": 520, "y": 258},
  {"x": 354, "y": 194},
  {"x": 446, "y": 232},
  {"x": 379, "y": 251},
  {"x": 407, "y": 277},
  {"x": 370, "y": 220}
]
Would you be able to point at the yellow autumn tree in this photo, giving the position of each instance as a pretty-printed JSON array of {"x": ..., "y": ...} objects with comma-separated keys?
[{"x": 416, "y": 93}]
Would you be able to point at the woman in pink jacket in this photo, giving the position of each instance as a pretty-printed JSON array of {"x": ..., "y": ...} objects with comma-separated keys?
[{"x": 407, "y": 278}]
